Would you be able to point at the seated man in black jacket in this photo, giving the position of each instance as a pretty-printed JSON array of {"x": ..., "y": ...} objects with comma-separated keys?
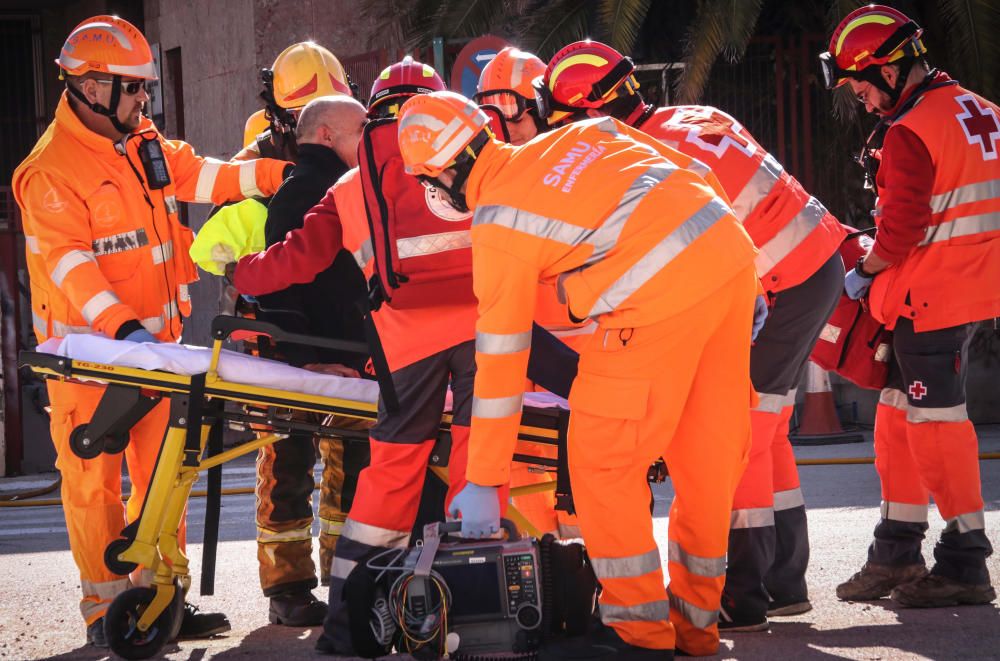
[{"x": 327, "y": 133}]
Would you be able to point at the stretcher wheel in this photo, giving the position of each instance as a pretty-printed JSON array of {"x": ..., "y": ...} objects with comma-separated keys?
[
  {"x": 177, "y": 606},
  {"x": 124, "y": 638},
  {"x": 115, "y": 443},
  {"x": 111, "y": 561},
  {"x": 84, "y": 447}
]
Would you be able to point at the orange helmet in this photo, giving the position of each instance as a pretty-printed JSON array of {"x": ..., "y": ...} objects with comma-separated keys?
[
  {"x": 585, "y": 74},
  {"x": 256, "y": 124},
  {"x": 400, "y": 81},
  {"x": 107, "y": 44},
  {"x": 306, "y": 71},
  {"x": 435, "y": 129},
  {"x": 506, "y": 82},
  {"x": 866, "y": 39}
]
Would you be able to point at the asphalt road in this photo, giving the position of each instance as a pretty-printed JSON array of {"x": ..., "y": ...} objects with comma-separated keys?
[{"x": 39, "y": 617}]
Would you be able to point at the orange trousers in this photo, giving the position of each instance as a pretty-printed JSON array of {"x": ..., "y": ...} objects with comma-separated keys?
[
  {"x": 679, "y": 389},
  {"x": 92, "y": 488}
]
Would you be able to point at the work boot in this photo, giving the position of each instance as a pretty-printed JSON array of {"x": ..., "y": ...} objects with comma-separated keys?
[
  {"x": 95, "y": 633},
  {"x": 297, "y": 609},
  {"x": 737, "y": 625},
  {"x": 195, "y": 624},
  {"x": 787, "y": 608},
  {"x": 875, "y": 581},
  {"x": 602, "y": 643},
  {"x": 935, "y": 591}
]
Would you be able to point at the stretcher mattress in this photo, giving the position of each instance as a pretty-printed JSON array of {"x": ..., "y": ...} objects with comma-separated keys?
[{"x": 233, "y": 367}]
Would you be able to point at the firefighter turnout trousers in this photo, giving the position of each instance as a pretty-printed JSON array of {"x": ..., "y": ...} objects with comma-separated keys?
[
  {"x": 92, "y": 488},
  {"x": 768, "y": 540},
  {"x": 926, "y": 445},
  {"x": 389, "y": 490},
  {"x": 679, "y": 389}
]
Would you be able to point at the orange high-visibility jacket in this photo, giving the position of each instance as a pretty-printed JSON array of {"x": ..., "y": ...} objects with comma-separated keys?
[
  {"x": 793, "y": 231},
  {"x": 102, "y": 248},
  {"x": 952, "y": 276},
  {"x": 632, "y": 234}
]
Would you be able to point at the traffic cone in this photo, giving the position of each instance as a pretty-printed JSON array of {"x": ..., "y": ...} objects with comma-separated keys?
[{"x": 818, "y": 421}]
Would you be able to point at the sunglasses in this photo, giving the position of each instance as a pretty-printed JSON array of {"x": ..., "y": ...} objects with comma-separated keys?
[
  {"x": 131, "y": 87},
  {"x": 510, "y": 104}
]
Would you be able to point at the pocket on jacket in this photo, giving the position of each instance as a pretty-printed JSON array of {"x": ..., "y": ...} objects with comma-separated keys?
[
  {"x": 605, "y": 419},
  {"x": 117, "y": 244}
]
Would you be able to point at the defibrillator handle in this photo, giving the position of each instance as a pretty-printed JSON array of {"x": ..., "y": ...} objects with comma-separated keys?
[{"x": 450, "y": 527}]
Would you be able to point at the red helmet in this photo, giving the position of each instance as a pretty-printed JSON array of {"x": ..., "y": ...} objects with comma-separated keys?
[
  {"x": 401, "y": 81},
  {"x": 585, "y": 74},
  {"x": 869, "y": 37}
]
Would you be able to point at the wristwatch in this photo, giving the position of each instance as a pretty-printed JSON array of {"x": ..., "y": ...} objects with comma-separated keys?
[{"x": 860, "y": 270}]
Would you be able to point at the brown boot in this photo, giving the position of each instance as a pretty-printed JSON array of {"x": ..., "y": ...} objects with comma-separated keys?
[
  {"x": 933, "y": 591},
  {"x": 876, "y": 581}
]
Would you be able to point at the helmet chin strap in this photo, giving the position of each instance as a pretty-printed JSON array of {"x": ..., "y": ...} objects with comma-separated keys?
[
  {"x": 873, "y": 75},
  {"x": 462, "y": 167},
  {"x": 116, "y": 95}
]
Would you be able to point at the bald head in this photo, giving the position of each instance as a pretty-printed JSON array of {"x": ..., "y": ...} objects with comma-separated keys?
[{"x": 335, "y": 122}]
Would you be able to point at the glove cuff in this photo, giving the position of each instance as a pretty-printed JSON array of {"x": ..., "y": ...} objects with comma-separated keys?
[{"x": 127, "y": 329}]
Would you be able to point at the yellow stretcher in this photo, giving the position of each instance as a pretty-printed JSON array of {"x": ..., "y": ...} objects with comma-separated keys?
[{"x": 141, "y": 620}]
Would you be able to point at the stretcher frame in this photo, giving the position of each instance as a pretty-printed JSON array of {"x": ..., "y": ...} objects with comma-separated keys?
[{"x": 192, "y": 445}]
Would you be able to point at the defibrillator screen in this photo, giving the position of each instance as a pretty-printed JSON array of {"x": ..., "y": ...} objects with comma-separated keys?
[{"x": 475, "y": 590}]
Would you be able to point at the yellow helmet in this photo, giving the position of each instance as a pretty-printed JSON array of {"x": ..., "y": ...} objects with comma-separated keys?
[
  {"x": 256, "y": 124},
  {"x": 305, "y": 71}
]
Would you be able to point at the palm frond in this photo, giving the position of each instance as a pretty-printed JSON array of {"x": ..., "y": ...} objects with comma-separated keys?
[
  {"x": 552, "y": 26},
  {"x": 469, "y": 18},
  {"x": 621, "y": 21},
  {"x": 973, "y": 37}
]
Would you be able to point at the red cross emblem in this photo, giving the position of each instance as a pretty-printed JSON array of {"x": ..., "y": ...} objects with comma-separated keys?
[
  {"x": 712, "y": 130},
  {"x": 917, "y": 390},
  {"x": 980, "y": 125}
]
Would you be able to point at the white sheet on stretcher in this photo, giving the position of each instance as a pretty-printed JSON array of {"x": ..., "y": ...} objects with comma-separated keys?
[{"x": 233, "y": 366}]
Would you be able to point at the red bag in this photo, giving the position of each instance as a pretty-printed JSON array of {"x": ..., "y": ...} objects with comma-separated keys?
[{"x": 853, "y": 343}]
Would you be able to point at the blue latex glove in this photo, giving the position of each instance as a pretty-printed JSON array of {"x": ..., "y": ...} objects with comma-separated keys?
[
  {"x": 141, "y": 335},
  {"x": 856, "y": 285},
  {"x": 759, "y": 316},
  {"x": 480, "y": 510}
]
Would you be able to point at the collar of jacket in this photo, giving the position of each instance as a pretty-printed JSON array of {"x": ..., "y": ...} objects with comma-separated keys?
[
  {"x": 321, "y": 156},
  {"x": 492, "y": 157},
  {"x": 940, "y": 77},
  {"x": 67, "y": 119}
]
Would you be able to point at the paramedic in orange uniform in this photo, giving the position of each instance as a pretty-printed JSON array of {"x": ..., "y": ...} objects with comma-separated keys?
[
  {"x": 649, "y": 249},
  {"x": 107, "y": 254}
]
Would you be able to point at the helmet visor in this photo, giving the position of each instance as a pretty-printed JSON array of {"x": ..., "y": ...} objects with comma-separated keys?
[
  {"x": 511, "y": 104},
  {"x": 833, "y": 76}
]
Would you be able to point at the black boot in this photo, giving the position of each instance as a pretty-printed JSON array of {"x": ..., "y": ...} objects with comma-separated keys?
[
  {"x": 95, "y": 634},
  {"x": 195, "y": 624},
  {"x": 297, "y": 609},
  {"x": 602, "y": 643}
]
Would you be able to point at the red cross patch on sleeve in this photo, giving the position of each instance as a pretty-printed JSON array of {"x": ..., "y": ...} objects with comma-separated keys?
[{"x": 980, "y": 125}]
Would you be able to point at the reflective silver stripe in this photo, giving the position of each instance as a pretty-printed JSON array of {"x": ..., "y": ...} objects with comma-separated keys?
[
  {"x": 206, "y": 180},
  {"x": 964, "y": 226},
  {"x": 364, "y": 254},
  {"x": 265, "y": 536},
  {"x": 905, "y": 512},
  {"x": 651, "y": 611},
  {"x": 981, "y": 191},
  {"x": 70, "y": 261},
  {"x": 630, "y": 566},
  {"x": 106, "y": 590},
  {"x": 330, "y": 527},
  {"x": 964, "y": 523},
  {"x": 660, "y": 256},
  {"x": 957, "y": 413},
  {"x": 39, "y": 323},
  {"x": 342, "y": 567},
  {"x": 452, "y": 149},
  {"x": 60, "y": 329},
  {"x": 696, "y": 564},
  {"x": 699, "y": 617},
  {"x": 532, "y": 224},
  {"x": 373, "y": 535},
  {"x": 606, "y": 236},
  {"x": 170, "y": 310},
  {"x": 98, "y": 304},
  {"x": 183, "y": 294},
  {"x": 608, "y": 126},
  {"x": 759, "y": 186},
  {"x": 248, "y": 179},
  {"x": 830, "y": 333},
  {"x": 31, "y": 243},
  {"x": 699, "y": 168},
  {"x": 502, "y": 343},
  {"x": 790, "y": 236},
  {"x": 788, "y": 499},
  {"x": 567, "y": 531},
  {"x": 771, "y": 402},
  {"x": 894, "y": 398},
  {"x": 758, "y": 517},
  {"x": 431, "y": 244},
  {"x": 588, "y": 328},
  {"x": 152, "y": 324},
  {"x": 163, "y": 252},
  {"x": 496, "y": 407}
]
